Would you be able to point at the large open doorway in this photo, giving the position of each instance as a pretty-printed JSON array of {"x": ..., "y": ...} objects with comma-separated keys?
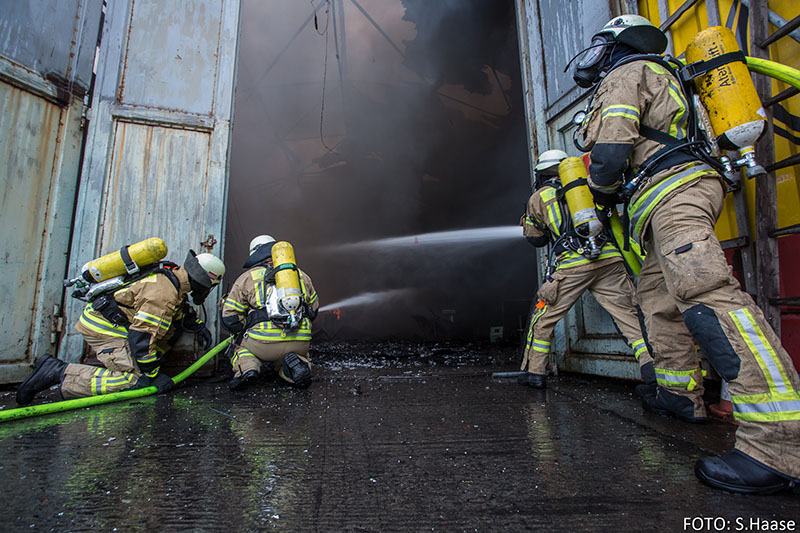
[{"x": 358, "y": 121}]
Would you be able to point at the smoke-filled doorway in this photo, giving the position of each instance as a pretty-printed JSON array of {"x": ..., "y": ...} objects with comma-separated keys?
[{"x": 386, "y": 140}]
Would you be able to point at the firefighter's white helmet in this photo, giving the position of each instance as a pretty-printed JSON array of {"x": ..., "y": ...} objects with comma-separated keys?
[{"x": 259, "y": 240}]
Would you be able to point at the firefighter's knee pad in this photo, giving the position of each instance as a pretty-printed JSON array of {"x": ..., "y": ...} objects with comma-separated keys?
[
  {"x": 706, "y": 329},
  {"x": 295, "y": 370},
  {"x": 694, "y": 264}
]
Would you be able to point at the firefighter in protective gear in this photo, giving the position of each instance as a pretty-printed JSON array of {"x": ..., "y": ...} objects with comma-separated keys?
[
  {"x": 130, "y": 330},
  {"x": 685, "y": 287},
  {"x": 547, "y": 221},
  {"x": 260, "y": 339}
]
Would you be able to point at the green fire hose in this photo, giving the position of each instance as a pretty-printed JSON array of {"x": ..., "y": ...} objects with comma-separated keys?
[
  {"x": 773, "y": 69},
  {"x": 78, "y": 403},
  {"x": 633, "y": 256},
  {"x": 784, "y": 73}
]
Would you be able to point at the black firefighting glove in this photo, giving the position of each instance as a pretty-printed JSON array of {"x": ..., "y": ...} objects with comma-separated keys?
[
  {"x": 203, "y": 337},
  {"x": 192, "y": 323},
  {"x": 162, "y": 382},
  {"x": 606, "y": 199}
]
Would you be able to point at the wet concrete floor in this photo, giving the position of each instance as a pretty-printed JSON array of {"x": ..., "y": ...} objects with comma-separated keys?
[{"x": 427, "y": 441}]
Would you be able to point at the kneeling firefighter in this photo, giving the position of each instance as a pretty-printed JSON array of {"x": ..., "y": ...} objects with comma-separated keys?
[
  {"x": 270, "y": 308},
  {"x": 561, "y": 213},
  {"x": 647, "y": 148},
  {"x": 130, "y": 324}
]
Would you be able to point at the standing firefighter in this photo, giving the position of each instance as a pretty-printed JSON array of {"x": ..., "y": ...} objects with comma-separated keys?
[
  {"x": 270, "y": 308},
  {"x": 573, "y": 267},
  {"x": 130, "y": 329},
  {"x": 642, "y": 134}
]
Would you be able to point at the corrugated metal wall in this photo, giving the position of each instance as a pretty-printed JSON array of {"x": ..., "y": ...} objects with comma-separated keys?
[
  {"x": 157, "y": 148},
  {"x": 46, "y": 54}
]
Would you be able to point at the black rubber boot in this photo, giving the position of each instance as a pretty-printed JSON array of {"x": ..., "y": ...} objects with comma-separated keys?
[
  {"x": 665, "y": 403},
  {"x": 537, "y": 381},
  {"x": 242, "y": 381},
  {"x": 646, "y": 390},
  {"x": 296, "y": 371},
  {"x": 648, "y": 373},
  {"x": 47, "y": 372},
  {"x": 738, "y": 472}
]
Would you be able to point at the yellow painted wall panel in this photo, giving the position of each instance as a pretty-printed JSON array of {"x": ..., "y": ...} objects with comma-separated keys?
[{"x": 786, "y": 118}]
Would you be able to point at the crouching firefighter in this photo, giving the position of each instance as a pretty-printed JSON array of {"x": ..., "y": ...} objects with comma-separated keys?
[
  {"x": 579, "y": 258},
  {"x": 640, "y": 118},
  {"x": 270, "y": 308},
  {"x": 130, "y": 326}
]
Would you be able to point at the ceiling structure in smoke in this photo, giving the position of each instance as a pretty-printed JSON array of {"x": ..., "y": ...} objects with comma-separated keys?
[{"x": 367, "y": 119}]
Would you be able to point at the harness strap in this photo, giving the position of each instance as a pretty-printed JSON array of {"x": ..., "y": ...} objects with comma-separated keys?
[
  {"x": 130, "y": 265},
  {"x": 166, "y": 268},
  {"x": 561, "y": 191},
  {"x": 698, "y": 68}
]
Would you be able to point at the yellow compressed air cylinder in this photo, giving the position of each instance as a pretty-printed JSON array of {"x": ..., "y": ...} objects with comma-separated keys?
[
  {"x": 142, "y": 253},
  {"x": 579, "y": 198},
  {"x": 287, "y": 279},
  {"x": 727, "y": 92}
]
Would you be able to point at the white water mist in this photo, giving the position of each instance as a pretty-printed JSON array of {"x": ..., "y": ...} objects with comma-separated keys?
[
  {"x": 438, "y": 238},
  {"x": 365, "y": 299}
]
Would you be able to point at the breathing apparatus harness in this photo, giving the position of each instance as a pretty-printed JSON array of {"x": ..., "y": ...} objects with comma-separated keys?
[
  {"x": 695, "y": 146},
  {"x": 273, "y": 310},
  {"x": 101, "y": 295},
  {"x": 569, "y": 239}
]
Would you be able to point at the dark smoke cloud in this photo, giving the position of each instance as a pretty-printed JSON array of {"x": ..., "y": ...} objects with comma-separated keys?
[{"x": 427, "y": 131}]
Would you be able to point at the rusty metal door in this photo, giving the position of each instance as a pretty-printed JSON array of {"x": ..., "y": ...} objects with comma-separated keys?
[
  {"x": 156, "y": 161},
  {"x": 551, "y": 32},
  {"x": 46, "y": 53}
]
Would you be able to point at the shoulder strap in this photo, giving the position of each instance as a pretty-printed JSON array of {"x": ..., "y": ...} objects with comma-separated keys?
[{"x": 166, "y": 268}]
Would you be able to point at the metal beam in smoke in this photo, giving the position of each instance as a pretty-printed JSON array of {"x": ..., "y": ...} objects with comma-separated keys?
[
  {"x": 378, "y": 27},
  {"x": 288, "y": 44}
]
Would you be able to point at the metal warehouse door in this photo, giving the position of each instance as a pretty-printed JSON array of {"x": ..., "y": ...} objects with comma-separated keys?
[
  {"x": 46, "y": 53},
  {"x": 551, "y": 32},
  {"x": 156, "y": 160}
]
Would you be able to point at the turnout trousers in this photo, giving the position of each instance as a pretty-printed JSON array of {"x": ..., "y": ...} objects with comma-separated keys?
[
  {"x": 609, "y": 283},
  {"x": 252, "y": 353},
  {"x": 120, "y": 372},
  {"x": 686, "y": 290}
]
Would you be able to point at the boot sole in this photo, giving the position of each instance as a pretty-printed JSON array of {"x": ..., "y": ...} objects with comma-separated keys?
[{"x": 741, "y": 489}]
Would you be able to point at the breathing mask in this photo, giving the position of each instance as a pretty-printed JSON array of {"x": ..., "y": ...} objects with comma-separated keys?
[{"x": 591, "y": 60}]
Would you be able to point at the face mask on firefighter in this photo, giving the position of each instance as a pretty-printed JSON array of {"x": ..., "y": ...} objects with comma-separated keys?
[
  {"x": 591, "y": 60},
  {"x": 542, "y": 178}
]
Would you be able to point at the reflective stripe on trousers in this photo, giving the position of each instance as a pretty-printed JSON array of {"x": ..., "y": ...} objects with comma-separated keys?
[
  {"x": 101, "y": 380},
  {"x": 782, "y": 402},
  {"x": 641, "y": 208},
  {"x": 639, "y": 347},
  {"x": 677, "y": 378}
]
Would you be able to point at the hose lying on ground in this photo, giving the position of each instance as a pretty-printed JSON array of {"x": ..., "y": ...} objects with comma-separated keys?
[{"x": 78, "y": 403}]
